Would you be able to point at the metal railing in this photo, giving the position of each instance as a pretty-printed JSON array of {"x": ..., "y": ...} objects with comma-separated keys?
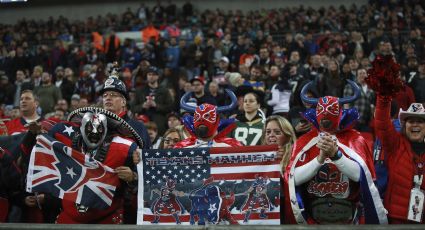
[{"x": 212, "y": 227}]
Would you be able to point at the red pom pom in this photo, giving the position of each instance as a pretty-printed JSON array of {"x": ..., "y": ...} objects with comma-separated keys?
[{"x": 384, "y": 76}]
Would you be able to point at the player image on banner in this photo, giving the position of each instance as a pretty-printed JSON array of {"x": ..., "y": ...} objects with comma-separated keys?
[
  {"x": 209, "y": 186},
  {"x": 257, "y": 199},
  {"x": 167, "y": 203}
]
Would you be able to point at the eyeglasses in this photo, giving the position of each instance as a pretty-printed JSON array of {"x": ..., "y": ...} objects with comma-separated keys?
[
  {"x": 111, "y": 94},
  {"x": 169, "y": 140}
]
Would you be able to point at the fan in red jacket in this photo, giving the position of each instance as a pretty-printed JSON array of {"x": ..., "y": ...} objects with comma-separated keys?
[
  {"x": 205, "y": 127},
  {"x": 108, "y": 139},
  {"x": 330, "y": 177},
  {"x": 27, "y": 104},
  {"x": 405, "y": 150}
]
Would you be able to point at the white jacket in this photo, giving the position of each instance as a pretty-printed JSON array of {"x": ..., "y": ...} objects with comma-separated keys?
[{"x": 279, "y": 100}]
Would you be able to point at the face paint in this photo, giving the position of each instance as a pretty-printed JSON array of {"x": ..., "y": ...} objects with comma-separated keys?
[
  {"x": 328, "y": 113},
  {"x": 205, "y": 120}
]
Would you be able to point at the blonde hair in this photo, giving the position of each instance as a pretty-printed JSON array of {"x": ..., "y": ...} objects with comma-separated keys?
[{"x": 286, "y": 127}]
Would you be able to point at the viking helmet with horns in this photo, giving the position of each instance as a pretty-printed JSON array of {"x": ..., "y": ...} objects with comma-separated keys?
[
  {"x": 207, "y": 115},
  {"x": 329, "y": 110}
]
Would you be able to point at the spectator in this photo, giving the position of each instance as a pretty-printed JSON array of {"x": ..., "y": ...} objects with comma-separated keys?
[
  {"x": 220, "y": 72},
  {"x": 118, "y": 157},
  {"x": 69, "y": 74},
  {"x": 15, "y": 113},
  {"x": 403, "y": 149},
  {"x": 356, "y": 44},
  {"x": 198, "y": 86},
  {"x": 158, "y": 12},
  {"x": 112, "y": 47},
  {"x": 316, "y": 69},
  {"x": 153, "y": 100},
  {"x": 28, "y": 106},
  {"x": 63, "y": 83},
  {"x": 249, "y": 57},
  {"x": 75, "y": 102},
  {"x": 187, "y": 10},
  {"x": 249, "y": 124},
  {"x": 173, "y": 120},
  {"x": 295, "y": 59},
  {"x": 195, "y": 58},
  {"x": 280, "y": 97},
  {"x": 297, "y": 81},
  {"x": 83, "y": 103},
  {"x": 143, "y": 12},
  {"x": 405, "y": 96},
  {"x": 19, "y": 85},
  {"x": 265, "y": 61},
  {"x": 354, "y": 66},
  {"x": 332, "y": 84},
  {"x": 114, "y": 99},
  {"x": 364, "y": 104},
  {"x": 236, "y": 51},
  {"x": 417, "y": 83},
  {"x": 63, "y": 105},
  {"x": 59, "y": 114},
  {"x": 256, "y": 78},
  {"x": 171, "y": 137},
  {"x": 298, "y": 121},
  {"x": 86, "y": 86},
  {"x": 334, "y": 149},
  {"x": 172, "y": 54},
  {"x": 278, "y": 131},
  {"x": 155, "y": 139},
  {"x": 57, "y": 54},
  {"x": 273, "y": 76},
  {"x": 7, "y": 91},
  {"x": 204, "y": 131},
  {"x": 214, "y": 91},
  {"x": 36, "y": 77},
  {"x": 127, "y": 78},
  {"x": 173, "y": 29},
  {"x": 150, "y": 33},
  {"x": 48, "y": 93}
]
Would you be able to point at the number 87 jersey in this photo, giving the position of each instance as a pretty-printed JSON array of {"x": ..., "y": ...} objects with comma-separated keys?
[{"x": 249, "y": 132}]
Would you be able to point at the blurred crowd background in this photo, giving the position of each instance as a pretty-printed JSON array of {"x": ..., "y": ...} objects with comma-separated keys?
[{"x": 182, "y": 49}]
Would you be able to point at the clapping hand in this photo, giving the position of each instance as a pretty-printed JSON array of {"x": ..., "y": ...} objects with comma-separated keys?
[{"x": 327, "y": 145}]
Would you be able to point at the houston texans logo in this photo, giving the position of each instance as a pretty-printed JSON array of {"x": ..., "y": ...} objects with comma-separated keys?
[
  {"x": 328, "y": 104},
  {"x": 205, "y": 113},
  {"x": 417, "y": 108}
]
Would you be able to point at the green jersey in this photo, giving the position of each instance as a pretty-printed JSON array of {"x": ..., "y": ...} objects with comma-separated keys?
[{"x": 249, "y": 132}]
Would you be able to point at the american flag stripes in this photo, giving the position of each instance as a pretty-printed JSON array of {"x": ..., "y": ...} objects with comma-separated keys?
[{"x": 235, "y": 179}]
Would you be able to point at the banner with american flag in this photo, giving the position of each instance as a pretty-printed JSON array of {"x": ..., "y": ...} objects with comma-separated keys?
[
  {"x": 68, "y": 174},
  {"x": 235, "y": 185}
]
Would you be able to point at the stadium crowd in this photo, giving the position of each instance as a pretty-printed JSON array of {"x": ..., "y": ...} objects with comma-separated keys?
[{"x": 49, "y": 68}]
